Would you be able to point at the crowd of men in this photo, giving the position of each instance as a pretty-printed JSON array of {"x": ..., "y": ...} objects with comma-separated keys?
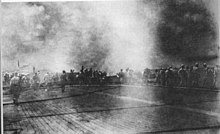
[
  {"x": 201, "y": 76},
  {"x": 18, "y": 82},
  {"x": 183, "y": 76},
  {"x": 36, "y": 80}
]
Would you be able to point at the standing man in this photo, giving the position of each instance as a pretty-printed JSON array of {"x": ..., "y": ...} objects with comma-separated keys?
[
  {"x": 15, "y": 87},
  {"x": 196, "y": 75},
  {"x": 47, "y": 81},
  {"x": 169, "y": 76},
  {"x": 121, "y": 76},
  {"x": 216, "y": 83},
  {"x": 90, "y": 75},
  {"x": 36, "y": 81},
  {"x": 183, "y": 76},
  {"x": 162, "y": 77},
  {"x": 7, "y": 78},
  {"x": 71, "y": 77},
  {"x": 203, "y": 75},
  {"x": 63, "y": 79},
  {"x": 82, "y": 75},
  {"x": 176, "y": 79}
]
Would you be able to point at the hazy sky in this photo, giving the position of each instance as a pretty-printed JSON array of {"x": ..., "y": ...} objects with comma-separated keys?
[{"x": 62, "y": 35}]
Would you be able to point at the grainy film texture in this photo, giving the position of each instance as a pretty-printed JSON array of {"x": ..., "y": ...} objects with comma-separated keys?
[{"x": 146, "y": 66}]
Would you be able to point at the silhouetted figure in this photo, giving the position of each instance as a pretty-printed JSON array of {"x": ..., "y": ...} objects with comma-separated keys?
[
  {"x": 82, "y": 70},
  {"x": 190, "y": 76},
  {"x": 121, "y": 76},
  {"x": 216, "y": 76},
  {"x": 169, "y": 76},
  {"x": 86, "y": 76},
  {"x": 176, "y": 79},
  {"x": 196, "y": 75},
  {"x": 209, "y": 79},
  {"x": 183, "y": 76},
  {"x": 203, "y": 75},
  {"x": 6, "y": 78},
  {"x": 162, "y": 77},
  {"x": 72, "y": 77},
  {"x": 63, "y": 79},
  {"x": 35, "y": 81}
]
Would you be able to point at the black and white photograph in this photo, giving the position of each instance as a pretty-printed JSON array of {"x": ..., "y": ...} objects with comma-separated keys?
[{"x": 110, "y": 67}]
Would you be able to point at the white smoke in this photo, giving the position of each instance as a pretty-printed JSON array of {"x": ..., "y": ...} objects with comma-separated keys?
[{"x": 57, "y": 36}]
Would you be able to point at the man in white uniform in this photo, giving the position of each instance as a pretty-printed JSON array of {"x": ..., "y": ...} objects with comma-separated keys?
[{"x": 47, "y": 80}]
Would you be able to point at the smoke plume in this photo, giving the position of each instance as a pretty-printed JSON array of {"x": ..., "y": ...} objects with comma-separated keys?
[
  {"x": 106, "y": 35},
  {"x": 57, "y": 36},
  {"x": 188, "y": 30}
]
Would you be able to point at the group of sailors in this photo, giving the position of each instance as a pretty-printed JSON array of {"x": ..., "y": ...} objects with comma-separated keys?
[
  {"x": 129, "y": 76},
  {"x": 37, "y": 80},
  {"x": 90, "y": 76},
  {"x": 19, "y": 82},
  {"x": 86, "y": 76},
  {"x": 194, "y": 76},
  {"x": 184, "y": 76}
]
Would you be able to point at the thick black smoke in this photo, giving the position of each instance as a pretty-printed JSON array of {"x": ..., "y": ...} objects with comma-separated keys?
[
  {"x": 90, "y": 51},
  {"x": 187, "y": 30}
]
